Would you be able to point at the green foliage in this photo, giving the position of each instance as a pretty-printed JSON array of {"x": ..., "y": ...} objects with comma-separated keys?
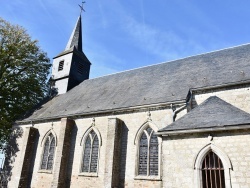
[{"x": 24, "y": 69}]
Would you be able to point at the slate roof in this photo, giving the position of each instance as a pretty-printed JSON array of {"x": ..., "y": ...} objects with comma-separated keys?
[
  {"x": 213, "y": 112},
  {"x": 76, "y": 36},
  {"x": 154, "y": 84},
  {"x": 73, "y": 50}
]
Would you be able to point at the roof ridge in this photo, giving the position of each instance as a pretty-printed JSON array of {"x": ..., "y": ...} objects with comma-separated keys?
[{"x": 171, "y": 61}]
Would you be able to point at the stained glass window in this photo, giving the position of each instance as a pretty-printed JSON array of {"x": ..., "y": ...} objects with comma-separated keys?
[
  {"x": 153, "y": 155},
  {"x": 148, "y": 153},
  {"x": 143, "y": 155},
  {"x": 86, "y": 157},
  {"x": 90, "y": 156},
  {"x": 48, "y": 153}
]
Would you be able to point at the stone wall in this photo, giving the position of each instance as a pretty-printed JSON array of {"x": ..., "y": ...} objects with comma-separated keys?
[
  {"x": 62, "y": 154},
  {"x": 237, "y": 96},
  {"x": 44, "y": 178},
  {"x": 180, "y": 152},
  {"x": 30, "y": 148},
  {"x": 131, "y": 123}
]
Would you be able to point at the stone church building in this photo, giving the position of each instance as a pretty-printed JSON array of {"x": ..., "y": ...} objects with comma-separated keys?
[{"x": 179, "y": 124}]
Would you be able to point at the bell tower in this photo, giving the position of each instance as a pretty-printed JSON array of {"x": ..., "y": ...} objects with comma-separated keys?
[{"x": 70, "y": 67}]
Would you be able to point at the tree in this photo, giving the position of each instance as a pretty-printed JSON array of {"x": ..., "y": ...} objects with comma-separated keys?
[{"x": 24, "y": 70}]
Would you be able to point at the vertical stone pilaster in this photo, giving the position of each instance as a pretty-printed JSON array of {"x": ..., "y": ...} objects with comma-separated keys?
[
  {"x": 113, "y": 153},
  {"x": 62, "y": 153},
  {"x": 28, "y": 152}
]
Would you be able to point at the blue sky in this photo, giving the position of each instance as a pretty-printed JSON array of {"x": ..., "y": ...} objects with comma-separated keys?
[{"x": 120, "y": 35}]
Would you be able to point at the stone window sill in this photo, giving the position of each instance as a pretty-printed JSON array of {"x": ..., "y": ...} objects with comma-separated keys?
[
  {"x": 151, "y": 178},
  {"x": 45, "y": 171},
  {"x": 88, "y": 174}
]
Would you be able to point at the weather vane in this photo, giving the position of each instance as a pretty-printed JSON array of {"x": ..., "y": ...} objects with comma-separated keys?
[{"x": 81, "y": 7}]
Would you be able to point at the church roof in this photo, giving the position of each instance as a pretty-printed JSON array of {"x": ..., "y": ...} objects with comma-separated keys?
[
  {"x": 75, "y": 51},
  {"x": 76, "y": 37},
  {"x": 212, "y": 113},
  {"x": 161, "y": 83}
]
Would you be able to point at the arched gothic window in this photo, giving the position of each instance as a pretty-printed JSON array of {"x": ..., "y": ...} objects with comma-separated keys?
[
  {"x": 212, "y": 171},
  {"x": 48, "y": 153},
  {"x": 90, "y": 155},
  {"x": 148, "y": 153}
]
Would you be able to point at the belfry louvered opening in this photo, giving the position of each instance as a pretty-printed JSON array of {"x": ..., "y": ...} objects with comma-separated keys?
[
  {"x": 90, "y": 156},
  {"x": 212, "y": 172},
  {"x": 61, "y": 64},
  {"x": 48, "y": 153},
  {"x": 148, "y": 153},
  {"x": 80, "y": 68}
]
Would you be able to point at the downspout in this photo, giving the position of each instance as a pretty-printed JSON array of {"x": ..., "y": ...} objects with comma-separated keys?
[
  {"x": 175, "y": 111},
  {"x": 189, "y": 100},
  {"x": 188, "y": 105}
]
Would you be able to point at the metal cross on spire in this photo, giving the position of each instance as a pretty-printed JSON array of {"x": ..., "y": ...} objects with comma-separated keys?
[{"x": 81, "y": 7}]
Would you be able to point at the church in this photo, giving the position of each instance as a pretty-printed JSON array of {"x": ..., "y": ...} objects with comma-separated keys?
[{"x": 178, "y": 124}]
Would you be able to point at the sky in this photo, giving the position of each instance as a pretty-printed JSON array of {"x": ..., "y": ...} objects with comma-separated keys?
[{"x": 121, "y": 35}]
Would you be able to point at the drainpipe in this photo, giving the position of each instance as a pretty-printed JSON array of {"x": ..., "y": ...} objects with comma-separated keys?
[
  {"x": 189, "y": 100},
  {"x": 176, "y": 111}
]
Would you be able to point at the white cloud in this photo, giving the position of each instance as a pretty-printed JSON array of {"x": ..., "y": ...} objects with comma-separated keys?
[
  {"x": 103, "y": 16},
  {"x": 103, "y": 62},
  {"x": 165, "y": 44},
  {"x": 168, "y": 44}
]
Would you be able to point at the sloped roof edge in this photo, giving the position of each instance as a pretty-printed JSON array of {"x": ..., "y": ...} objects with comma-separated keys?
[
  {"x": 153, "y": 84},
  {"x": 213, "y": 113},
  {"x": 211, "y": 129}
]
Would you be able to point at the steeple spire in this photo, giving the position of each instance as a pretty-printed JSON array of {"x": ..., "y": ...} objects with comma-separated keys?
[
  {"x": 76, "y": 36},
  {"x": 71, "y": 67},
  {"x": 75, "y": 39}
]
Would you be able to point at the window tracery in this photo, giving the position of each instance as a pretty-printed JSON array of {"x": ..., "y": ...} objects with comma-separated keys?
[
  {"x": 91, "y": 152},
  {"x": 48, "y": 153},
  {"x": 148, "y": 153}
]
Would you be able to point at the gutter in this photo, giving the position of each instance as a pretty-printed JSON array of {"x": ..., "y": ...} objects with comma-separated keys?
[
  {"x": 135, "y": 107},
  {"x": 111, "y": 111},
  {"x": 221, "y": 85},
  {"x": 203, "y": 130}
]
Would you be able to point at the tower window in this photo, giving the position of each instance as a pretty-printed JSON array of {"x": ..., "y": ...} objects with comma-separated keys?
[
  {"x": 80, "y": 68},
  {"x": 61, "y": 64}
]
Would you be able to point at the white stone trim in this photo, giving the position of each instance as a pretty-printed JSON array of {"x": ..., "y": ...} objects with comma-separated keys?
[
  {"x": 91, "y": 174},
  {"x": 203, "y": 130},
  {"x": 140, "y": 131},
  {"x": 45, "y": 171},
  {"x": 151, "y": 178},
  {"x": 82, "y": 143},
  {"x": 144, "y": 126},
  {"x": 46, "y": 135},
  {"x": 85, "y": 135},
  {"x": 198, "y": 164},
  {"x": 41, "y": 156}
]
